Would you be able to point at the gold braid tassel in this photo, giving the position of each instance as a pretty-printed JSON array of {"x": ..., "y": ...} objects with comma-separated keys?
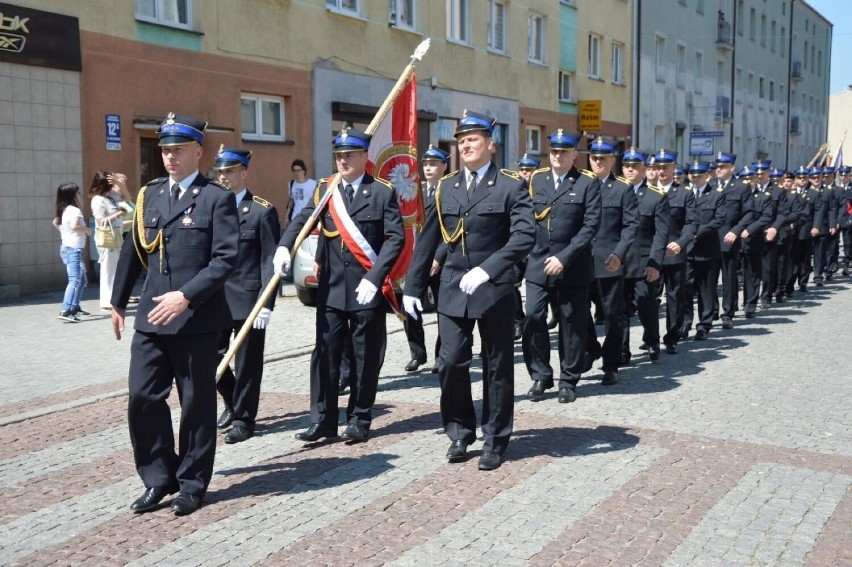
[
  {"x": 458, "y": 232},
  {"x": 139, "y": 238}
]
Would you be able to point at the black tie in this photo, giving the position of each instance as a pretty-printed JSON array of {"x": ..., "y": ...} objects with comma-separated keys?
[
  {"x": 350, "y": 192},
  {"x": 430, "y": 191},
  {"x": 175, "y": 195},
  {"x": 472, "y": 185}
]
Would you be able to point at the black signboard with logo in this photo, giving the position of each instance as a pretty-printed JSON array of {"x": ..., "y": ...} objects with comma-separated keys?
[{"x": 34, "y": 37}]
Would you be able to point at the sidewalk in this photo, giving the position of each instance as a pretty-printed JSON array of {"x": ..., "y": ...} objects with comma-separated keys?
[{"x": 736, "y": 451}]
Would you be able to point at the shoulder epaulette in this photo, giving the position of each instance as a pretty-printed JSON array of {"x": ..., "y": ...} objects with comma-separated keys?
[
  {"x": 157, "y": 180},
  {"x": 447, "y": 176},
  {"x": 656, "y": 189},
  {"x": 541, "y": 170},
  {"x": 317, "y": 192},
  {"x": 261, "y": 201},
  {"x": 217, "y": 185},
  {"x": 587, "y": 173},
  {"x": 511, "y": 174},
  {"x": 384, "y": 182},
  {"x": 622, "y": 179}
]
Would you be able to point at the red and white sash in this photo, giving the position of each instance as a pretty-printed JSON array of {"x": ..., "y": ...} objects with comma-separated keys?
[{"x": 357, "y": 244}]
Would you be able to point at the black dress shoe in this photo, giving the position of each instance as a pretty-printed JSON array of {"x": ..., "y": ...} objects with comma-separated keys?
[
  {"x": 225, "y": 419},
  {"x": 818, "y": 283},
  {"x": 727, "y": 323},
  {"x": 186, "y": 504},
  {"x": 414, "y": 364},
  {"x": 671, "y": 349},
  {"x": 341, "y": 387},
  {"x": 436, "y": 368},
  {"x": 654, "y": 352},
  {"x": 566, "y": 395},
  {"x": 238, "y": 434},
  {"x": 644, "y": 346},
  {"x": 625, "y": 360},
  {"x": 457, "y": 451},
  {"x": 355, "y": 432},
  {"x": 151, "y": 498},
  {"x": 701, "y": 334},
  {"x": 316, "y": 432},
  {"x": 779, "y": 299},
  {"x": 539, "y": 386},
  {"x": 489, "y": 461},
  {"x": 610, "y": 377},
  {"x": 750, "y": 315},
  {"x": 684, "y": 334},
  {"x": 519, "y": 331}
]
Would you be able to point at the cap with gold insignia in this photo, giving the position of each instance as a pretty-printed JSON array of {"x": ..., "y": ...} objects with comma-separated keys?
[
  {"x": 664, "y": 156},
  {"x": 473, "y": 121},
  {"x": 178, "y": 130},
  {"x": 563, "y": 140},
  {"x": 828, "y": 170},
  {"x": 434, "y": 153},
  {"x": 698, "y": 167},
  {"x": 761, "y": 165},
  {"x": 633, "y": 155},
  {"x": 746, "y": 172},
  {"x": 603, "y": 147},
  {"x": 802, "y": 171},
  {"x": 228, "y": 157},
  {"x": 776, "y": 173},
  {"x": 650, "y": 160},
  {"x": 725, "y": 157},
  {"x": 527, "y": 162},
  {"x": 351, "y": 140},
  {"x": 678, "y": 170}
]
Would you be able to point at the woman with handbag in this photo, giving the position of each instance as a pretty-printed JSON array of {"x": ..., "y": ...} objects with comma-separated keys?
[
  {"x": 71, "y": 225},
  {"x": 109, "y": 218}
]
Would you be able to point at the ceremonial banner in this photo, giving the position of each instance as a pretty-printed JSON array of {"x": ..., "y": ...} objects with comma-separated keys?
[{"x": 393, "y": 156}]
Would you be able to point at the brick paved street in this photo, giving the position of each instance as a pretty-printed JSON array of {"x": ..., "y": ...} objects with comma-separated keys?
[{"x": 736, "y": 451}]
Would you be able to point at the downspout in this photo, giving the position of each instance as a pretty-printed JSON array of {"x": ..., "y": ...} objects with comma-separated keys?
[
  {"x": 637, "y": 28},
  {"x": 789, "y": 88},
  {"x": 733, "y": 73}
]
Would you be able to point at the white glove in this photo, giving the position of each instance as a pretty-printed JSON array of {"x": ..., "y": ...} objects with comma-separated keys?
[
  {"x": 281, "y": 261},
  {"x": 262, "y": 319},
  {"x": 412, "y": 306},
  {"x": 365, "y": 291},
  {"x": 472, "y": 280}
]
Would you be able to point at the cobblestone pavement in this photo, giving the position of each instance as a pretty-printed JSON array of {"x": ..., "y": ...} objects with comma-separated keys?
[{"x": 735, "y": 451}]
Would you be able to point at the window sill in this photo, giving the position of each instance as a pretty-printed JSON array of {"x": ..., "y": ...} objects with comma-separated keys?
[
  {"x": 619, "y": 84},
  {"x": 594, "y": 78},
  {"x": 269, "y": 142},
  {"x": 347, "y": 14},
  {"x": 412, "y": 31},
  {"x": 498, "y": 53},
  {"x": 172, "y": 27},
  {"x": 535, "y": 63},
  {"x": 459, "y": 42},
  {"x": 568, "y": 101}
]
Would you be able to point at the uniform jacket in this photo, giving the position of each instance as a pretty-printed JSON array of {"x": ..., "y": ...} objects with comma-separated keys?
[
  {"x": 764, "y": 213},
  {"x": 683, "y": 221},
  {"x": 649, "y": 246},
  {"x": 839, "y": 194},
  {"x": 739, "y": 211},
  {"x": 806, "y": 219},
  {"x": 259, "y": 234},
  {"x": 619, "y": 219},
  {"x": 844, "y": 216},
  {"x": 498, "y": 232},
  {"x": 567, "y": 230},
  {"x": 795, "y": 204},
  {"x": 198, "y": 253},
  {"x": 711, "y": 216},
  {"x": 375, "y": 212},
  {"x": 825, "y": 210}
]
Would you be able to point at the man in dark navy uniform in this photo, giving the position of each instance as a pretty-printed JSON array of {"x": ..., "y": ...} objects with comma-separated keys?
[
  {"x": 568, "y": 213},
  {"x": 824, "y": 224},
  {"x": 837, "y": 188},
  {"x": 844, "y": 217},
  {"x": 434, "y": 162},
  {"x": 259, "y": 234},
  {"x": 804, "y": 243},
  {"x": 185, "y": 232},
  {"x": 350, "y": 300},
  {"x": 738, "y": 214},
  {"x": 765, "y": 181},
  {"x": 615, "y": 236},
  {"x": 706, "y": 250},
  {"x": 483, "y": 217},
  {"x": 644, "y": 262},
  {"x": 526, "y": 166},
  {"x": 754, "y": 240},
  {"x": 787, "y": 237},
  {"x": 683, "y": 223}
]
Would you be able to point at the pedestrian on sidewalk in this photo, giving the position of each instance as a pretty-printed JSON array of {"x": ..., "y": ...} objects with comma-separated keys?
[
  {"x": 109, "y": 216},
  {"x": 71, "y": 225}
]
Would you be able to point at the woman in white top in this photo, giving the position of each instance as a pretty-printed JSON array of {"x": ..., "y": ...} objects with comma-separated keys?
[
  {"x": 71, "y": 225},
  {"x": 106, "y": 212},
  {"x": 301, "y": 190}
]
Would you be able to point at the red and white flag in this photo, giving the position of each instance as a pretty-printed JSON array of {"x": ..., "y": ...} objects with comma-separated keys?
[{"x": 393, "y": 156}]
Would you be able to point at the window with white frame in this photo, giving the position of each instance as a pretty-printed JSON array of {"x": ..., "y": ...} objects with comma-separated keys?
[
  {"x": 533, "y": 139},
  {"x": 594, "y": 56},
  {"x": 458, "y": 25},
  {"x": 401, "y": 14},
  {"x": 699, "y": 71},
  {"x": 497, "y": 26},
  {"x": 680, "y": 66},
  {"x": 173, "y": 13},
  {"x": 660, "y": 58},
  {"x": 566, "y": 86},
  {"x": 537, "y": 37},
  {"x": 262, "y": 117},
  {"x": 616, "y": 63},
  {"x": 349, "y": 7}
]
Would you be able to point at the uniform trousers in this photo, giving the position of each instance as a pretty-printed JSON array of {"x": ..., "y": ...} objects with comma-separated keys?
[
  {"x": 640, "y": 297},
  {"x": 414, "y": 327},
  {"x": 240, "y": 391},
  {"x": 753, "y": 266},
  {"x": 784, "y": 267},
  {"x": 498, "y": 378},
  {"x": 674, "y": 276},
  {"x": 367, "y": 329},
  {"x": 189, "y": 361},
  {"x": 611, "y": 293},
  {"x": 730, "y": 283},
  {"x": 706, "y": 274},
  {"x": 833, "y": 253},
  {"x": 805, "y": 268},
  {"x": 847, "y": 247},
  {"x": 821, "y": 245},
  {"x": 769, "y": 272}
]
